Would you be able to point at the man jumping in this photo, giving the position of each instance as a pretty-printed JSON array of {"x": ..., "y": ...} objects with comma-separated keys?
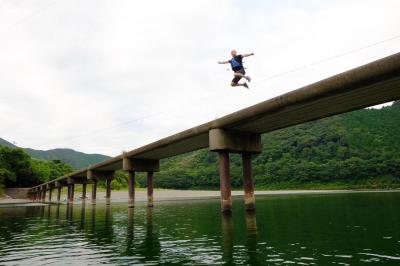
[{"x": 238, "y": 69}]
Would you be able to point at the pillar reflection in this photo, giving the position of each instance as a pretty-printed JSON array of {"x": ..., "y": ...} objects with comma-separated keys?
[
  {"x": 227, "y": 238},
  {"x": 70, "y": 208},
  {"x": 93, "y": 218},
  {"x": 108, "y": 232},
  {"x": 130, "y": 233},
  {"x": 83, "y": 214},
  {"x": 42, "y": 210},
  {"x": 48, "y": 211},
  {"x": 58, "y": 212},
  {"x": 252, "y": 238},
  {"x": 152, "y": 246}
]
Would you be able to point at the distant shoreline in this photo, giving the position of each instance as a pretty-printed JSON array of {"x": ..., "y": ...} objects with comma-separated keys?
[{"x": 176, "y": 195}]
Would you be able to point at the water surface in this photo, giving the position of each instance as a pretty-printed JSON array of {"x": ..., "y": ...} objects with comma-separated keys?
[{"x": 334, "y": 229}]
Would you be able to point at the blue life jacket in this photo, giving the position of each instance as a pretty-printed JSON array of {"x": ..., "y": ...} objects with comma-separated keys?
[{"x": 235, "y": 64}]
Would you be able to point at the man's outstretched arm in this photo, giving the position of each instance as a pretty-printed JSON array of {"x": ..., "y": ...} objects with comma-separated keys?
[
  {"x": 223, "y": 62},
  {"x": 246, "y": 55}
]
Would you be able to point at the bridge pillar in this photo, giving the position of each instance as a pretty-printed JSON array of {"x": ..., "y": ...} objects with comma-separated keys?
[
  {"x": 150, "y": 175},
  {"x": 59, "y": 194},
  {"x": 232, "y": 141},
  {"x": 84, "y": 192},
  {"x": 249, "y": 200},
  {"x": 94, "y": 191},
  {"x": 95, "y": 175},
  {"x": 108, "y": 191},
  {"x": 71, "y": 188},
  {"x": 68, "y": 192},
  {"x": 132, "y": 165},
  {"x": 43, "y": 195},
  {"x": 131, "y": 188},
  {"x": 225, "y": 182},
  {"x": 50, "y": 192}
]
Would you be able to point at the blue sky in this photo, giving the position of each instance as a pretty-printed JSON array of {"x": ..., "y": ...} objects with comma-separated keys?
[{"x": 106, "y": 76}]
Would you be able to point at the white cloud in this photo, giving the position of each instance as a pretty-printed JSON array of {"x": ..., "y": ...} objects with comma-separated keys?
[{"x": 107, "y": 76}]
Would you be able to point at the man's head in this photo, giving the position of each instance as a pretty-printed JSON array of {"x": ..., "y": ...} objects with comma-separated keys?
[{"x": 233, "y": 53}]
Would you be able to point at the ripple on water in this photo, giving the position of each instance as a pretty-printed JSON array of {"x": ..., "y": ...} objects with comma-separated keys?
[
  {"x": 181, "y": 235},
  {"x": 394, "y": 258}
]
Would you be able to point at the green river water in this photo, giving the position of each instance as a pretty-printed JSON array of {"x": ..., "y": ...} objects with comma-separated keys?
[{"x": 330, "y": 229}]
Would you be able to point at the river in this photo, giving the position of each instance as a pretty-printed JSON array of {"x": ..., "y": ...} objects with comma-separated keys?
[{"x": 332, "y": 229}]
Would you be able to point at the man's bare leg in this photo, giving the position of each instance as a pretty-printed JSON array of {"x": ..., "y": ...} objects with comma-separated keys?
[
  {"x": 242, "y": 76},
  {"x": 240, "y": 84}
]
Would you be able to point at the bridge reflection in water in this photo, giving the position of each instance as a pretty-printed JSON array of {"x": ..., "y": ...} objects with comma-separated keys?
[
  {"x": 286, "y": 230},
  {"x": 134, "y": 233},
  {"x": 228, "y": 235}
]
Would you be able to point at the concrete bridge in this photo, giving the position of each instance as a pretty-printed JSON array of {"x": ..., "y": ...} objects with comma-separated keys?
[{"x": 240, "y": 132}]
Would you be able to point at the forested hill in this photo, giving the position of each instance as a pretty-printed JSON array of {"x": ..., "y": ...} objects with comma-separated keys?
[
  {"x": 5, "y": 143},
  {"x": 74, "y": 158},
  {"x": 360, "y": 149},
  {"x": 355, "y": 150}
]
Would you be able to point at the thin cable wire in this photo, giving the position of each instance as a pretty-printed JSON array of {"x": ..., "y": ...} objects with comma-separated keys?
[
  {"x": 167, "y": 110},
  {"x": 328, "y": 59},
  {"x": 31, "y": 15},
  {"x": 264, "y": 79},
  {"x": 41, "y": 9},
  {"x": 103, "y": 129}
]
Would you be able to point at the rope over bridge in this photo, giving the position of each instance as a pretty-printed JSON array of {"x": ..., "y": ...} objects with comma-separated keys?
[{"x": 240, "y": 132}]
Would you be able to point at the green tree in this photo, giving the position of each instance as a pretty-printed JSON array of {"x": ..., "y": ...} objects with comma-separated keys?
[{"x": 18, "y": 169}]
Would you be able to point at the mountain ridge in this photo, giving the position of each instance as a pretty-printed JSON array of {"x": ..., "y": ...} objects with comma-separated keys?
[{"x": 75, "y": 158}]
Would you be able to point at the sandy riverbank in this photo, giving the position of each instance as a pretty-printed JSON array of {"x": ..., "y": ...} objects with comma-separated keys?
[
  {"x": 170, "y": 194},
  {"x": 10, "y": 201}
]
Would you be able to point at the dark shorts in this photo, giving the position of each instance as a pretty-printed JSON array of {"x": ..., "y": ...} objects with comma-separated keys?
[{"x": 236, "y": 79}]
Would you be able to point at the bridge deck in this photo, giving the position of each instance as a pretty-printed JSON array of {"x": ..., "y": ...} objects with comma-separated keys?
[{"x": 375, "y": 83}]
